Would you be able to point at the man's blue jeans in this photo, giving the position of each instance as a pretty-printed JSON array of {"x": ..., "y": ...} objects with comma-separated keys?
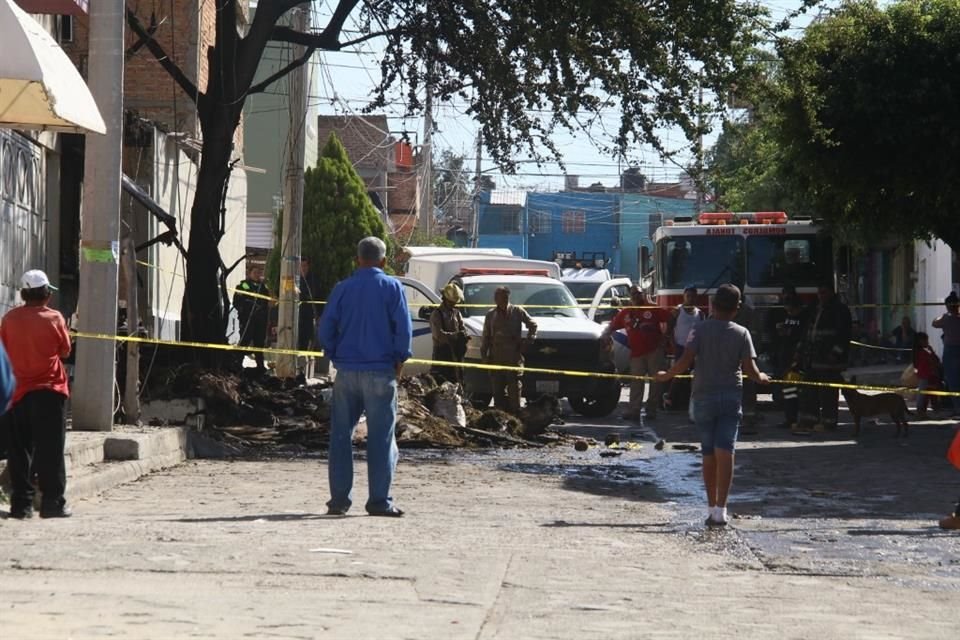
[{"x": 354, "y": 393}]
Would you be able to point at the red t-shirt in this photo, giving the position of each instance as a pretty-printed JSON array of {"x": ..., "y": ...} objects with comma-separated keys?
[
  {"x": 643, "y": 328},
  {"x": 927, "y": 364},
  {"x": 35, "y": 339}
]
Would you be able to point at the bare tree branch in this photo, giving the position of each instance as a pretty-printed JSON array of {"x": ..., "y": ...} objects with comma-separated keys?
[
  {"x": 329, "y": 38},
  {"x": 261, "y": 86},
  {"x": 322, "y": 40},
  {"x": 165, "y": 61},
  {"x": 318, "y": 40},
  {"x": 371, "y": 36}
]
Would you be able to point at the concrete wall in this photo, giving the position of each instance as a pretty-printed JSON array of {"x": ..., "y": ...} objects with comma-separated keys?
[
  {"x": 635, "y": 228},
  {"x": 516, "y": 243},
  {"x": 29, "y": 204},
  {"x": 23, "y": 214},
  {"x": 173, "y": 188},
  {"x": 935, "y": 278},
  {"x": 600, "y": 213},
  {"x": 267, "y": 129}
]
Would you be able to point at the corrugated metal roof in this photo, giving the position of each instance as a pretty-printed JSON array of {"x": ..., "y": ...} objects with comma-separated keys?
[
  {"x": 504, "y": 196},
  {"x": 260, "y": 230}
]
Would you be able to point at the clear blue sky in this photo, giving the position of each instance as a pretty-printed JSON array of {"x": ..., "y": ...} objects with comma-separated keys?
[{"x": 346, "y": 78}]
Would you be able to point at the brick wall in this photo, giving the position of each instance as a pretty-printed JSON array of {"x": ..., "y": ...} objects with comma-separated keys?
[
  {"x": 366, "y": 138},
  {"x": 186, "y": 28}
]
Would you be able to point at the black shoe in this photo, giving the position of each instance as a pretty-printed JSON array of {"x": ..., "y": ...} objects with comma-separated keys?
[
  {"x": 24, "y": 513},
  {"x": 62, "y": 511},
  {"x": 392, "y": 512},
  {"x": 336, "y": 511}
]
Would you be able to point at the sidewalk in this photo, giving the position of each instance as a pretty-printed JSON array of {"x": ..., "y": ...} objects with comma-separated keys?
[{"x": 549, "y": 544}]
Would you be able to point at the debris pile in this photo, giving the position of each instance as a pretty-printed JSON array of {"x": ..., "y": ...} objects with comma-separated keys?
[{"x": 264, "y": 412}]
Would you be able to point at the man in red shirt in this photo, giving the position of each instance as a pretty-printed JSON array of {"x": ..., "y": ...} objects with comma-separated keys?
[
  {"x": 36, "y": 338},
  {"x": 644, "y": 324}
]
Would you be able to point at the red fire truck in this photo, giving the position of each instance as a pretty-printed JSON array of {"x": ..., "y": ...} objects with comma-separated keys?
[{"x": 760, "y": 252}]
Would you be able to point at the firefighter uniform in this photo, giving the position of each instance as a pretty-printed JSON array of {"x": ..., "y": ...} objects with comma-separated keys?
[{"x": 503, "y": 344}]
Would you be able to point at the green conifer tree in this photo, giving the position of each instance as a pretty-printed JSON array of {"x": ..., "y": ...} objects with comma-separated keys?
[{"x": 337, "y": 214}]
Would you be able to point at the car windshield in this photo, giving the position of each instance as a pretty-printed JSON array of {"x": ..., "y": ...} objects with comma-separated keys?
[
  {"x": 803, "y": 261},
  {"x": 583, "y": 291},
  {"x": 701, "y": 261},
  {"x": 539, "y": 299}
]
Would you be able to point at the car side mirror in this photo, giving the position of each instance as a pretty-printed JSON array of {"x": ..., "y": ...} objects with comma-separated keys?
[{"x": 425, "y": 312}]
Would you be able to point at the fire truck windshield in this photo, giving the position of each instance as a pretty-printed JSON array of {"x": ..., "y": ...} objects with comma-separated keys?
[
  {"x": 701, "y": 261},
  {"x": 803, "y": 261}
]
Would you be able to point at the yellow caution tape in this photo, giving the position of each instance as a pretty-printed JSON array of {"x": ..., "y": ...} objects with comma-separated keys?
[
  {"x": 875, "y": 346},
  {"x": 244, "y": 292},
  {"x": 194, "y": 345}
]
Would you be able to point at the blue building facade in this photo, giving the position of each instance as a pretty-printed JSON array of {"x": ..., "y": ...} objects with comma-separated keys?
[
  {"x": 640, "y": 215},
  {"x": 502, "y": 223},
  {"x": 573, "y": 221},
  {"x": 538, "y": 225}
]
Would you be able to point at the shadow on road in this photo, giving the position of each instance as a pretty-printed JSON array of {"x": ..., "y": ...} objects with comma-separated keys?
[{"x": 267, "y": 517}]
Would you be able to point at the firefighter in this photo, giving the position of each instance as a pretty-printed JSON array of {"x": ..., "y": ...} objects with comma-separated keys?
[
  {"x": 503, "y": 344},
  {"x": 825, "y": 356},
  {"x": 449, "y": 337}
]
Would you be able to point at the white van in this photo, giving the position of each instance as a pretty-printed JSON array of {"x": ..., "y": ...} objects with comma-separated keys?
[
  {"x": 436, "y": 271},
  {"x": 566, "y": 338}
]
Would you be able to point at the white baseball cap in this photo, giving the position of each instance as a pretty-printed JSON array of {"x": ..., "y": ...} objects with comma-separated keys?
[{"x": 35, "y": 279}]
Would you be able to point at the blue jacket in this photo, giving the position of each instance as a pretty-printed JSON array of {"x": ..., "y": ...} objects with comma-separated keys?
[
  {"x": 365, "y": 324},
  {"x": 7, "y": 381}
]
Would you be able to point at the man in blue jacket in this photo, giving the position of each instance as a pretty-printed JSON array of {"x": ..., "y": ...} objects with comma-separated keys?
[
  {"x": 7, "y": 381},
  {"x": 366, "y": 332}
]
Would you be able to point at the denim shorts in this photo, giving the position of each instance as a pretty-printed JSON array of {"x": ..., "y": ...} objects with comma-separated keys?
[{"x": 718, "y": 415}]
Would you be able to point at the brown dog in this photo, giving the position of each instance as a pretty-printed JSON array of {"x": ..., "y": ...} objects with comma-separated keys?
[{"x": 864, "y": 406}]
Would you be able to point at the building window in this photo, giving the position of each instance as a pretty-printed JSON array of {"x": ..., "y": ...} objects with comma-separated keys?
[
  {"x": 574, "y": 222},
  {"x": 65, "y": 28},
  {"x": 510, "y": 222},
  {"x": 540, "y": 222}
]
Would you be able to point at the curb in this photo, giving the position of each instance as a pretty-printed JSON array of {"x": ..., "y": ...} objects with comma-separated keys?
[{"x": 99, "y": 461}]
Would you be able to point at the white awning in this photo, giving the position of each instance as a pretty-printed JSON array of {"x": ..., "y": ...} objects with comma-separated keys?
[{"x": 39, "y": 86}]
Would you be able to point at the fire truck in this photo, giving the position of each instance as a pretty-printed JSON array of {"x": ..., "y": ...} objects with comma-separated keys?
[{"x": 760, "y": 252}]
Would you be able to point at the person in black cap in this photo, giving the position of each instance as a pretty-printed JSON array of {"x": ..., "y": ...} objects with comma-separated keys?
[
  {"x": 826, "y": 353},
  {"x": 308, "y": 313},
  {"x": 253, "y": 310},
  {"x": 949, "y": 323}
]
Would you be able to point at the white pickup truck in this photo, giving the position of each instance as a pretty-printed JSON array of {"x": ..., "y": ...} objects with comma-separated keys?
[{"x": 567, "y": 340}]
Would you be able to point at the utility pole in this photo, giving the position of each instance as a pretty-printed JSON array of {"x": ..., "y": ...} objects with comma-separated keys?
[
  {"x": 426, "y": 152},
  {"x": 475, "y": 227},
  {"x": 699, "y": 176},
  {"x": 100, "y": 224},
  {"x": 293, "y": 204}
]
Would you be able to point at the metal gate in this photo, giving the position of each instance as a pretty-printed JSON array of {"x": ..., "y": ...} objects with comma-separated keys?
[{"x": 23, "y": 220}]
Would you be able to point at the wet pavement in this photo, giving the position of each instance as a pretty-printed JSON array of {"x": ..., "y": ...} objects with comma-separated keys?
[{"x": 827, "y": 505}]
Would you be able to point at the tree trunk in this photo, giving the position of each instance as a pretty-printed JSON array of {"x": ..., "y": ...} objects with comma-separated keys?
[{"x": 203, "y": 312}]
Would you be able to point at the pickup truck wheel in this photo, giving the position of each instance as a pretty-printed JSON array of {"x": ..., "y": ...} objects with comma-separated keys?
[
  {"x": 481, "y": 401},
  {"x": 600, "y": 404}
]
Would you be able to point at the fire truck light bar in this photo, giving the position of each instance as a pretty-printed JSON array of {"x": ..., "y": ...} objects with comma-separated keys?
[
  {"x": 752, "y": 217},
  {"x": 483, "y": 271}
]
